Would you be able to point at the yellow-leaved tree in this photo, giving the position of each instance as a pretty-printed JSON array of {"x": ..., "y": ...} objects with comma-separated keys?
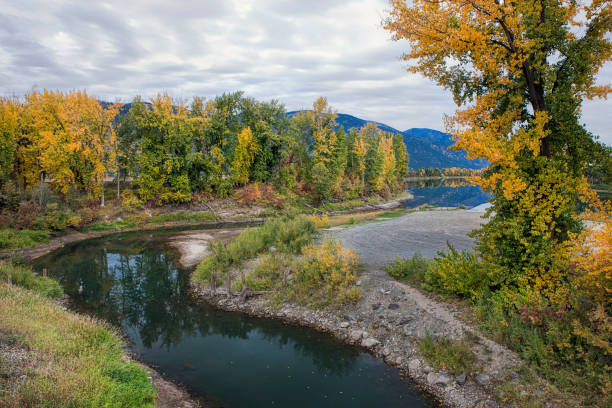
[
  {"x": 520, "y": 70},
  {"x": 244, "y": 155}
]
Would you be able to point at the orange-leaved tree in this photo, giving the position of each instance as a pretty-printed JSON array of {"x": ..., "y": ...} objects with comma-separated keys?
[{"x": 520, "y": 71}]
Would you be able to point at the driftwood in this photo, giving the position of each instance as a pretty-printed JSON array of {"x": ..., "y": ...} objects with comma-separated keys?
[
  {"x": 212, "y": 211},
  {"x": 248, "y": 293}
]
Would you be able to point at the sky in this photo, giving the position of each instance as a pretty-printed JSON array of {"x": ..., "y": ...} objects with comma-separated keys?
[{"x": 292, "y": 51}]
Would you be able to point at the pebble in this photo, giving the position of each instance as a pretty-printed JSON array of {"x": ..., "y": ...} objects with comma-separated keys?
[
  {"x": 393, "y": 306},
  {"x": 344, "y": 325},
  {"x": 413, "y": 366}
]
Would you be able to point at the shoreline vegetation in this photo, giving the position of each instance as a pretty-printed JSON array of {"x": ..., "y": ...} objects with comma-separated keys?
[{"x": 53, "y": 357}]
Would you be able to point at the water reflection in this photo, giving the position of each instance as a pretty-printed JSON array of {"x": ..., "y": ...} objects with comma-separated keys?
[
  {"x": 133, "y": 281},
  {"x": 445, "y": 193}
]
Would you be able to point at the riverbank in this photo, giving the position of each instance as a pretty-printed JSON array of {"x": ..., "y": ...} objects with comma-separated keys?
[
  {"x": 391, "y": 319},
  {"x": 225, "y": 216},
  {"x": 47, "y": 353}
]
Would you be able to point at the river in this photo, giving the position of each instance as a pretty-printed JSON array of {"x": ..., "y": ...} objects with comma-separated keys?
[{"x": 135, "y": 282}]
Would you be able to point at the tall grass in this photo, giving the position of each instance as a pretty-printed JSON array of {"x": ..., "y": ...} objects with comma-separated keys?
[{"x": 25, "y": 278}]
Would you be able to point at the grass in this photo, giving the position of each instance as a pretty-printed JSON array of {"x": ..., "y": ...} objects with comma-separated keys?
[
  {"x": 411, "y": 269},
  {"x": 14, "y": 239},
  {"x": 183, "y": 216},
  {"x": 454, "y": 356},
  {"x": 25, "y": 278},
  {"x": 73, "y": 360}
]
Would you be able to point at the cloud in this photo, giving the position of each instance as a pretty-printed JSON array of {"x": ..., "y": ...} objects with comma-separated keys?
[{"x": 271, "y": 49}]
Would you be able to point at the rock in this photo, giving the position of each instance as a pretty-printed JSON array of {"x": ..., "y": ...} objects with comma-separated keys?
[
  {"x": 344, "y": 325},
  {"x": 375, "y": 306},
  {"x": 398, "y": 360},
  {"x": 393, "y": 306},
  {"x": 358, "y": 283},
  {"x": 413, "y": 366},
  {"x": 427, "y": 369},
  {"x": 460, "y": 380},
  {"x": 482, "y": 379},
  {"x": 431, "y": 378},
  {"x": 356, "y": 335},
  {"x": 386, "y": 351},
  {"x": 443, "y": 379},
  {"x": 370, "y": 342}
]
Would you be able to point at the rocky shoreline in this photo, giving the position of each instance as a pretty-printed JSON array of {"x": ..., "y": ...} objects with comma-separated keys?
[{"x": 386, "y": 333}]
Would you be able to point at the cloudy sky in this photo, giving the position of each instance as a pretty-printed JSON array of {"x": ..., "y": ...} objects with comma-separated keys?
[{"x": 293, "y": 51}]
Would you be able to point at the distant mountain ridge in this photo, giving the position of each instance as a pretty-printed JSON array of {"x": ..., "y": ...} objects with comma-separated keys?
[{"x": 426, "y": 147}]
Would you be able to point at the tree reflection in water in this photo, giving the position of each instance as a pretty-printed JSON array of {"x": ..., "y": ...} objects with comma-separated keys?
[{"x": 133, "y": 281}]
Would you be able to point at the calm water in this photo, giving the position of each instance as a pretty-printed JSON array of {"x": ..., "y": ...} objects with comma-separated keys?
[
  {"x": 230, "y": 360},
  {"x": 445, "y": 193}
]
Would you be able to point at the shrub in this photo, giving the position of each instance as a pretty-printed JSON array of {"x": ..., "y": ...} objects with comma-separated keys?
[
  {"x": 129, "y": 200},
  {"x": 326, "y": 275},
  {"x": 288, "y": 234},
  {"x": 321, "y": 221},
  {"x": 458, "y": 273},
  {"x": 454, "y": 356},
  {"x": 412, "y": 269}
]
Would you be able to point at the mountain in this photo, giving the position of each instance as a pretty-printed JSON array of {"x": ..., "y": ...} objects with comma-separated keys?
[{"x": 426, "y": 147}]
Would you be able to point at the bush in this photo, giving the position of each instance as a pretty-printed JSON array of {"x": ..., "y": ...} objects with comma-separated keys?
[
  {"x": 129, "y": 200},
  {"x": 10, "y": 239},
  {"x": 25, "y": 278},
  {"x": 326, "y": 275},
  {"x": 458, "y": 273},
  {"x": 321, "y": 221},
  {"x": 412, "y": 269}
]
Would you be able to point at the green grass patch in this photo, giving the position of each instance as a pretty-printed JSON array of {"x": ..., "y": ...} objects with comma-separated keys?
[
  {"x": 24, "y": 277},
  {"x": 110, "y": 226},
  {"x": 183, "y": 216},
  {"x": 76, "y": 360},
  {"x": 454, "y": 356},
  {"x": 14, "y": 239}
]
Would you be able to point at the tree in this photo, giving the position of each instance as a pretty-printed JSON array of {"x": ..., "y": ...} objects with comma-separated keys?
[
  {"x": 10, "y": 111},
  {"x": 244, "y": 155},
  {"x": 521, "y": 69}
]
